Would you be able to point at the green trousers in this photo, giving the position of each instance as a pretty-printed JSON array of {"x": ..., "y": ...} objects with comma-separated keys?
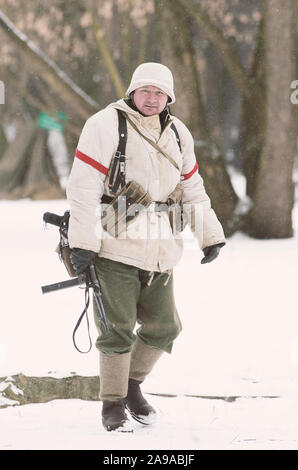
[{"x": 135, "y": 308}]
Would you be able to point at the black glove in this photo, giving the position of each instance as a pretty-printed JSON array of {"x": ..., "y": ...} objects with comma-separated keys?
[
  {"x": 211, "y": 252},
  {"x": 81, "y": 259}
]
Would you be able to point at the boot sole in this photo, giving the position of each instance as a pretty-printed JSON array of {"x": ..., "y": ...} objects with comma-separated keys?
[
  {"x": 116, "y": 428},
  {"x": 139, "y": 419}
]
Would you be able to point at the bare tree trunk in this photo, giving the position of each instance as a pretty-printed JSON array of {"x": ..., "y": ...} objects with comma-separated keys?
[
  {"x": 3, "y": 141},
  {"x": 41, "y": 181},
  {"x": 189, "y": 93},
  {"x": 143, "y": 42},
  {"x": 106, "y": 55},
  {"x": 254, "y": 115},
  {"x": 227, "y": 50},
  {"x": 14, "y": 161},
  {"x": 271, "y": 216}
]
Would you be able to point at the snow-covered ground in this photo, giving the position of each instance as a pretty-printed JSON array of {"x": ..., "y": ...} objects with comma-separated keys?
[{"x": 239, "y": 339}]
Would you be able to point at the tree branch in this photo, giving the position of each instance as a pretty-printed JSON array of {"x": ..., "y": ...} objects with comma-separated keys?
[
  {"x": 49, "y": 70},
  {"x": 106, "y": 55}
]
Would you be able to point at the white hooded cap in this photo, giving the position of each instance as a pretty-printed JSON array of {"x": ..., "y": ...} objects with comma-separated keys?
[{"x": 152, "y": 73}]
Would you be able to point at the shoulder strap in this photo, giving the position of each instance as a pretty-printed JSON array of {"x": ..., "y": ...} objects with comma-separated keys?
[
  {"x": 122, "y": 128},
  {"x": 118, "y": 166},
  {"x": 177, "y": 135},
  {"x": 154, "y": 144}
]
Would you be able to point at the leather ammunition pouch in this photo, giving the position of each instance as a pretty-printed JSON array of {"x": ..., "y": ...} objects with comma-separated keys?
[
  {"x": 124, "y": 208},
  {"x": 119, "y": 211},
  {"x": 177, "y": 217}
]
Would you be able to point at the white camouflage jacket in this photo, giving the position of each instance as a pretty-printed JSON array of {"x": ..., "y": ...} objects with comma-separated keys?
[{"x": 148, "y": 243}]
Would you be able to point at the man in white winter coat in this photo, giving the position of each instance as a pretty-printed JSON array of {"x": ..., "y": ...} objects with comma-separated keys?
[{"x": 135, "y": 264}]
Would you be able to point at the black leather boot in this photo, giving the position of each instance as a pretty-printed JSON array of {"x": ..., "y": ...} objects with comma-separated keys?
[
  {"x": 138, "y": 407},
  {"x": 114, "y": 417}
]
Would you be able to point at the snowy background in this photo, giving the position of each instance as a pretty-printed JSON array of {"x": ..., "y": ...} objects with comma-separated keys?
[{"x": 239, "y": 339}]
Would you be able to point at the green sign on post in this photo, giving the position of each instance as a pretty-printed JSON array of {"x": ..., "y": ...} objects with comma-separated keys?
[{"x": 45, "y": 121}]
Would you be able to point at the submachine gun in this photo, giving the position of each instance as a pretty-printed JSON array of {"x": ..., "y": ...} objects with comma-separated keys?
[{"x": 88, "y": 279}]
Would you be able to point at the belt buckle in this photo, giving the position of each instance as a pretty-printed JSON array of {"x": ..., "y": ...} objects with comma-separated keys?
[{"x": 151, "y": 208}]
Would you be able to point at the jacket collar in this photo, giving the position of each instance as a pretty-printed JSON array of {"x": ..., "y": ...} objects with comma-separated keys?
[{"x": 128, "y": 106}]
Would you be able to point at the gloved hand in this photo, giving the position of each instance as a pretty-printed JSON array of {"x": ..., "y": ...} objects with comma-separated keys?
[
  {"x": 211, "y": 252},
  {"x": 81, "y": 259}
]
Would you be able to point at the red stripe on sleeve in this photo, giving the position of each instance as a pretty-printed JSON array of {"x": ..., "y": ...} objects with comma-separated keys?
[
  {"x": 92, "y": 162},
  {"x": 188, "y": 175}
]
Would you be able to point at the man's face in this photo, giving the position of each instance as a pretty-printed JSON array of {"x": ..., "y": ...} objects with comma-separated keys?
[{"x": 150, "y": 100}]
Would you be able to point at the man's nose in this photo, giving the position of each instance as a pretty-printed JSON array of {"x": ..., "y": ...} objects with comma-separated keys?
[{"x": 152, "y": 98}]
